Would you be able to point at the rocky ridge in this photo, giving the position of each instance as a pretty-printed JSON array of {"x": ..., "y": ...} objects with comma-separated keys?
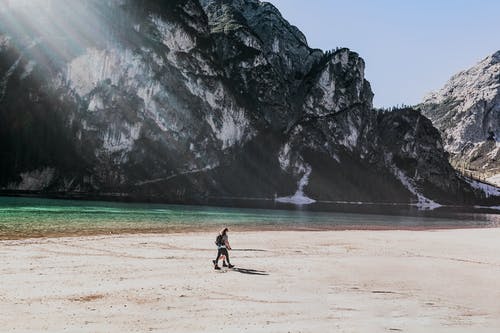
[
  {"x": 467, "y": 112},
  {"x": 182, "y": 101}
]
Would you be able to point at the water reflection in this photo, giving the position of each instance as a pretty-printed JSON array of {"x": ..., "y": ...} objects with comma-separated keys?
[{"x": 34, "y": 217}]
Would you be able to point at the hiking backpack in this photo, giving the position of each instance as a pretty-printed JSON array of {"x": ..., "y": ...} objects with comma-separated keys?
[{"x": 218, "y": 240}]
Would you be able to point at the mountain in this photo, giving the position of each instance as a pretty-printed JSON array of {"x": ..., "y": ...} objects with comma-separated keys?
[
  {"x": 467, "y": 113},
  {"x": 187, "y": 100}
]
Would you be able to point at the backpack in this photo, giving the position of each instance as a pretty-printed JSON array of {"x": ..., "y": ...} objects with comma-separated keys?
[{"x": 219, "y": 241}]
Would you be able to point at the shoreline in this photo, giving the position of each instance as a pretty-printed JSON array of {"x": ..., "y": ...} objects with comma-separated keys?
[
  {"x": 437, "y": 281},
  {"x": 215, "y": 229},
  {"x": 378, "y": 208}
]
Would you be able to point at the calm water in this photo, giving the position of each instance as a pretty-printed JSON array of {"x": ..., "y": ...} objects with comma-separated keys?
[{"x": 34, "y": 217}]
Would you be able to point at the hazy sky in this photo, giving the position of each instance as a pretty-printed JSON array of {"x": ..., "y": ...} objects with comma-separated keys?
[{"x": 411, "y": 47}]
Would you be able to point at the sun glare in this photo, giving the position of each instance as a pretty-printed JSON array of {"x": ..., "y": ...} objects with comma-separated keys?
[{"x": 66, "y": 27}]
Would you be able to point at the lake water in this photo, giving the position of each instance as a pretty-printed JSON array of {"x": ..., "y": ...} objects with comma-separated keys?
[{"x": 35, "y": 217}]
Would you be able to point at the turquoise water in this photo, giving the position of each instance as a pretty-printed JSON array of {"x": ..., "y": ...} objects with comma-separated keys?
[{"x": 34, "y": 217}]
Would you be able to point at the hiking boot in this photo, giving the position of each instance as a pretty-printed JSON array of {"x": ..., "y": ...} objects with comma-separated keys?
[
  {"x": 217, "y": 268},
  {"x": 230, "y": 266},
  {"x": 224, "y": 264}
]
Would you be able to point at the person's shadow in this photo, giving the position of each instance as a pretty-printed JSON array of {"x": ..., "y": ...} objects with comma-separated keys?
[
  {"x": 249, "y": 271},
  {"x": 246, "y": 270}
]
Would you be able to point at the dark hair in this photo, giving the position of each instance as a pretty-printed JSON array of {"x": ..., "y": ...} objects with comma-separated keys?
[{"x": 223, "y": 231}]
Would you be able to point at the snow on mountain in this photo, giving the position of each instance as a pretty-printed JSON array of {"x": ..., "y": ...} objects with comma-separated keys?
[{"x": 187, "y": 100}]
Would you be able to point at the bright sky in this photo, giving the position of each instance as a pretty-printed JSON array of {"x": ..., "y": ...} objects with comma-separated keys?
[{"x": 411, "y": 47}]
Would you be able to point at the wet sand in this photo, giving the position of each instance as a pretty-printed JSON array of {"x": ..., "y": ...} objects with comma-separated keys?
[{"x": 285, "y": 281}]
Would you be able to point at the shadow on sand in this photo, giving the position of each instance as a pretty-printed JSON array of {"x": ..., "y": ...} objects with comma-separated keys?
[{"x": 249, "y": 271}]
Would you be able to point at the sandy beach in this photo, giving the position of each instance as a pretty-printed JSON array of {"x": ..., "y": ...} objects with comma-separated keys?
[{"x": 285, "y": 281}]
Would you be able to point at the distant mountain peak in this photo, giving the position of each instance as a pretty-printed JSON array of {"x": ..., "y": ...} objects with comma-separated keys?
[
  {"x": 496, "y": 56},
  {"x": 467, "y": 112},
  {"x": 193, "y": 100}
]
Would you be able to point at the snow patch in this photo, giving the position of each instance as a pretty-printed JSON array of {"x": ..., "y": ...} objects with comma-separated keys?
[
  {"x": 299, "y": 198},
  {"x": 423, "y": 202},
  {"x": 488, "y": 190}
]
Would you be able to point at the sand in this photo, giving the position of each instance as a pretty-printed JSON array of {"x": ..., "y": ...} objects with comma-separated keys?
[{"x": 289, "y": 281}]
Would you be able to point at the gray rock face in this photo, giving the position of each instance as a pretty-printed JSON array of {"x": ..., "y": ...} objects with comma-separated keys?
[
  {"x": 185, "y": 100},
  {"x": 467, "y": 112},
  {"x": 264, "y": 55},
  {"x": 414, "y": 152},
  {"x": 152, "y": 96}
]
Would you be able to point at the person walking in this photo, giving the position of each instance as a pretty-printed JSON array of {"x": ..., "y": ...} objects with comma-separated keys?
[{"x": 222, "y": 242}]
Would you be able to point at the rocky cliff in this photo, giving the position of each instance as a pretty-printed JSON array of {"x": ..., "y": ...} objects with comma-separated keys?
[
  {"x": 188, "y": 100},
  {"x": 467, "y": 112}
]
